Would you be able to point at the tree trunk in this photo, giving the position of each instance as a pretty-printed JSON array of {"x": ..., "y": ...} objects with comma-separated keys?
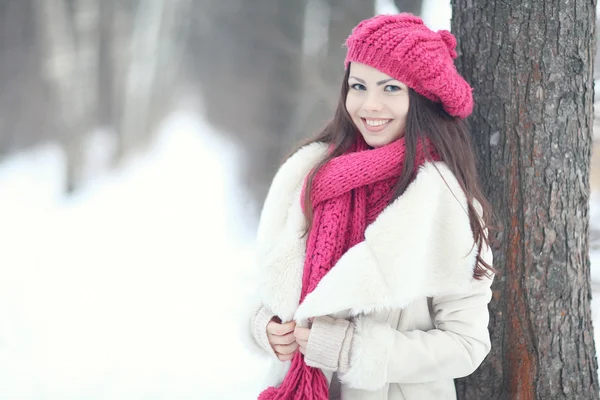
[
  {"x": 328, "y": 23},
  {"x": 66, "y": 75},
  {"x": 282, "y": 77},
  {"x": 530, "y": 63},
  {"x": 343, "y": 17},
  {"x": 175, "y": 30},
  {"x": 141, "y": 74},
  {"x": 86, "y": 16},
  {"x": 106, "y": 60},
  {"x": 24, "y": 115}
]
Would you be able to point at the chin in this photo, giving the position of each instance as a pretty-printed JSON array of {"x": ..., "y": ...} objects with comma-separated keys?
[
  {"x": 380, "y": 139},
  {"x": 377, "y": 142}
]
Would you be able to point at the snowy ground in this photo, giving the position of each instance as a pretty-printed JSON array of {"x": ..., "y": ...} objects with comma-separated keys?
[{"x": 130, "y": 289}]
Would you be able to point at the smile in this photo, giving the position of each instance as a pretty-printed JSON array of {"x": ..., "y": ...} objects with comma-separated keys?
[{"x": 375, "y": 125}]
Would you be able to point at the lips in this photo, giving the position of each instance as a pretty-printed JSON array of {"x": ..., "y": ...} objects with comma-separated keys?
[{"x": 375, "y": 124}]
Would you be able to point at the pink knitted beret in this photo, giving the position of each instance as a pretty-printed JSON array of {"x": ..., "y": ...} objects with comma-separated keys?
[{"x": 402, "y": 47}]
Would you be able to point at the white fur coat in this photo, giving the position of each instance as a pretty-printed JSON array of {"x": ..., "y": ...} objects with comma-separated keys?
[{"x": 413, "y": 269}]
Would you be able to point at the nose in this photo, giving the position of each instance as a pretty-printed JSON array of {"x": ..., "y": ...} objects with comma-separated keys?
[{"x": 372, "y": 103}]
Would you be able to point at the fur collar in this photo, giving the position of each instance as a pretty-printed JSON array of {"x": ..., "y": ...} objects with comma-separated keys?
[{"x": 420, "y": 245}]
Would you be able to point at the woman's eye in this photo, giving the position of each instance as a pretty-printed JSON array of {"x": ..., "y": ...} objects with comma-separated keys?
[
  {"x": 358, "y": 86},
  {"x": 392, "y": 88}
]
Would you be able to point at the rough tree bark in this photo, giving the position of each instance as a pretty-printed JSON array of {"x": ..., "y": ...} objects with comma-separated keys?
[{"x": 530, "y": 63}]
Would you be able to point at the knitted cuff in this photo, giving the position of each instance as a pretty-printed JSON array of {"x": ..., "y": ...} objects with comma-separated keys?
[
  {"x": 325, "y": 343},
  {"x": 261, "y": 319}
]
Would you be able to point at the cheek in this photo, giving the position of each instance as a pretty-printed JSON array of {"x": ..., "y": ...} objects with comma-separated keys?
[
  {"x": 401, "y": 105},
  {"x": 402, "y": 111},
  {"x": 352, "y": 105}
]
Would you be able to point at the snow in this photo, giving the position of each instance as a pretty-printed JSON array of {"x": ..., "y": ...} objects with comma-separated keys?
[{"x": 130, "y": 289}]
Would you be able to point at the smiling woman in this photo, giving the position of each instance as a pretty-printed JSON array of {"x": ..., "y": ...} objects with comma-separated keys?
[{"x": 374, "y": 263}]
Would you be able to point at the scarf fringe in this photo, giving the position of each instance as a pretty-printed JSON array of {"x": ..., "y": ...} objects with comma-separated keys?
[{"x": 301, "y": 383}]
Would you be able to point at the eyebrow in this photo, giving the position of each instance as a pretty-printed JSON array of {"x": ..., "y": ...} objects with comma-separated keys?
[{"x": 378, "y": 83}]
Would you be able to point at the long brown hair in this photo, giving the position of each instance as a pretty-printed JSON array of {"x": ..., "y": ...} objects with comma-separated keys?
[{"x": 451, "y": 139}]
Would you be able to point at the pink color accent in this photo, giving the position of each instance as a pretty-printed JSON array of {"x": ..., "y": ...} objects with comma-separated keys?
[
  {"x": 405, "y": 49},
  {"x": 347, "y": 195}
]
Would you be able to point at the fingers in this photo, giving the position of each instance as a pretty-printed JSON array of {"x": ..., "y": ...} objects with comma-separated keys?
[
  {"x": 286, "y": 357},
  {"x": 280, "y": 329},
  {"x": 302, "y": 346},
  {"x": 285, "y": 339},
  {"x": 285, "y": 350},
  {"x": 301, "y": 333},
  {"x": 282, "y": 339}
]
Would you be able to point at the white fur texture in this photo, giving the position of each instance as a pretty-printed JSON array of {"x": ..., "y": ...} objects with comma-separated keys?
[{"x": 372, "y": 348}]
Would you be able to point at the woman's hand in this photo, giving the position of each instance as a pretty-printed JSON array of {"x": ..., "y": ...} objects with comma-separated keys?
[
  {"x": 281, "y": 338},
  {"x": 301, "y": 335}
]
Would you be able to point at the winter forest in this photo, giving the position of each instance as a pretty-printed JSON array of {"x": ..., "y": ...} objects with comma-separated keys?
[{"x": 138, "y": 139}]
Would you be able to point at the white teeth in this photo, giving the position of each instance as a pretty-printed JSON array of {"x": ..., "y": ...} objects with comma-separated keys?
[{"x": 377, "y": 122}]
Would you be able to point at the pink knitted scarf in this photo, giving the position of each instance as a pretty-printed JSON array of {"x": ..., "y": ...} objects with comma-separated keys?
[{"x": 348, "y": 193}]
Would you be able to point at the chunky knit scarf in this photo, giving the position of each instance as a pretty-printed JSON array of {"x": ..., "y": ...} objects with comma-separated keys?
[{"x": 348, "y": 193}]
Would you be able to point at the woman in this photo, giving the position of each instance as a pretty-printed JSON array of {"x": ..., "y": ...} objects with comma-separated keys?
[{"x": 375, "y": 269}]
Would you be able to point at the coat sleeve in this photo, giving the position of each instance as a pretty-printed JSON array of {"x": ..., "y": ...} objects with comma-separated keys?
[
  {"x": 252, "y": 327},
  {"x": 259, "y": 322},
  {"x": 455, "y": 348}
]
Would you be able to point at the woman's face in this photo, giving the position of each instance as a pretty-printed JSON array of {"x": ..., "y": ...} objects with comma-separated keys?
[{"x": 377, "y": 104}]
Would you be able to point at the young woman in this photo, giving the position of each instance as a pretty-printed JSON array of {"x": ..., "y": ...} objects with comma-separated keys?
[{"x": 375, "y": 269}]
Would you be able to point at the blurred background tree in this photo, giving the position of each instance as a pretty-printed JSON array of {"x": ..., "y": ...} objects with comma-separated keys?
[
  {"x": 267, "y": 73},
  {"x": 73, "y": 68}
]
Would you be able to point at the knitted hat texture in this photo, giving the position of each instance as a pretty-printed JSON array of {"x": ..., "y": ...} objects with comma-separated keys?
[{"x": 402, "y": 47}]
